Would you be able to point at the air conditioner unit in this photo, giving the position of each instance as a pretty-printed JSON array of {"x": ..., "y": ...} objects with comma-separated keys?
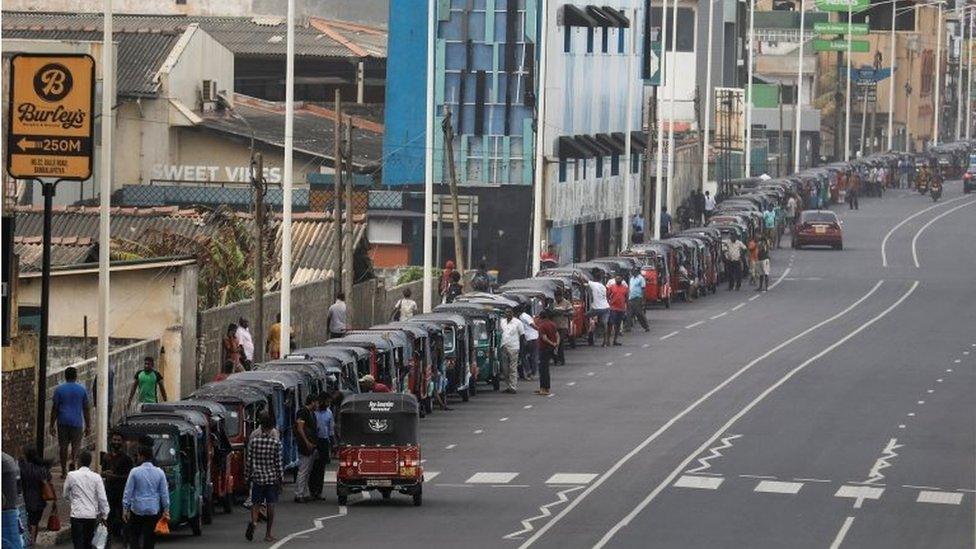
[{"x": 209, "y": 90}]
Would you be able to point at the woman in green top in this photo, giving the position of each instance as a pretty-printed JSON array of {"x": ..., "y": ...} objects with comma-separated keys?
[{"x": 146, "y": 382}]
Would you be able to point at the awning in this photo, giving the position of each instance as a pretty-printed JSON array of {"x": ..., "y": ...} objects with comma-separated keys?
[
  {"x": 619, "y": 138},
  {"x": 609, "y": 142},
  {"x": 575, "y": 17},
  {"x": 567, "y": 147},
  {"x": 620, "y": 19},
  {"x": 638, "y": 140},
  {"x": 598, "y": 148},
  {"x": 602, "y": 19}
]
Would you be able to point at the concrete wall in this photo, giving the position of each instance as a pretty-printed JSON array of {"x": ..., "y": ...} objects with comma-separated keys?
[
  {"x": 157, "y": 304},
  {"x": 19, "y": 388},
  {"x": 196, "y": 58}
]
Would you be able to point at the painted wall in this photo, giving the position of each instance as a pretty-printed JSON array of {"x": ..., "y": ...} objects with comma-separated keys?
[{"x": 406, "y": 92}]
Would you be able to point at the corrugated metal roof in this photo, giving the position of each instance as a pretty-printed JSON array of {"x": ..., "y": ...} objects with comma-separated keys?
[
  {"x": 140, "y": 54},
  {"x": 64, "y": 251},
  {"x": 312, "y": 233},
  {"x": 255, "y": 35}
]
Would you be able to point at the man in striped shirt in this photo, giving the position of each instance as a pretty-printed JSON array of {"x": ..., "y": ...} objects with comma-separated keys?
[{"x": 263, "y": 470}]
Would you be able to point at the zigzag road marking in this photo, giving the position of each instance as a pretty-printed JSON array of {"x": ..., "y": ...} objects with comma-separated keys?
[
  {"x": 875, "y": 475},
  {"x": 715, "y": 452},
  {"x": 543, "y": 513}
]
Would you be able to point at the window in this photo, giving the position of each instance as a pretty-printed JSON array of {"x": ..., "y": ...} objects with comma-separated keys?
[
  {"x": 180, "y": 2},
  {"x": 620, "y": 39},
  {"x": 599, "y": 166},
  {"x": 634, "y": 163},
  {"x": 581, "y": 170},
  {"x": 606, "y": 39},
  {"x": 686, "y": 29},
  {"x": 589, "y": 39},
  {"x": 562, "y": 170},
  {"x": 615, "y": 164},
  {"x": 567, "y": 39}
]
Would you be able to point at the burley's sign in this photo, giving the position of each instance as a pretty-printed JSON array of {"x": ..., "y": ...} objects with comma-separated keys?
[{"x": 49, "y": 128}]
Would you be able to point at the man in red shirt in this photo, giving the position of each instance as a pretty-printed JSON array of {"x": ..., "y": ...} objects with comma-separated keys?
[
  {"x": 548, "y": 343},
  {"x": 617, "y": 292}
]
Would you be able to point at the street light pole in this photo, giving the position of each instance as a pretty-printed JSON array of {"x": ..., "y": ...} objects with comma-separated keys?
[
  {"x": 938, "y": 79},
  {"x": 962, "y": 34},
  {"x": 969, "y": 77},
  {"x": 847, "y": 108},
  {"x": 708, "y": 92},
  {"x": 540, "y": 160},
  {"x": 799, "y": 88},
  {"x": 286, "y": 186},
  {"x": 752, "y": 48},
  {"x": 429, "y": 162},
  {"x": 891, "y": 83},
  {"x": 659, "y": 174},
  {"x": 672, "y": 89},
  {"x": 628, "y": 128},
  {"x": 104, "y": 232}
]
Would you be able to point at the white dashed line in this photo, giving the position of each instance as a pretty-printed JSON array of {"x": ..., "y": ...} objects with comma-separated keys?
[
  {"x": 479, "y": 431},
  {"x": 944, "y": 498},
  {"x": 646, "y": 345},
  {"x": 503, "y": 419},
  {"x": 758, "y": 476},
  {"x": 957, "y": 361},
  {"x": 703, "y": 483},
  {"x": 491, "y": 478},
  {"x": 965, "y": 353},
  {"x": 571, "y": 478},
  {"x": 739, "y": 306},
  {"x": 720, "y": 315},
  {"x": 921, "y": 402},
  {"x": 609, "y": 363},
  {"x": 939, "y": 380},
  {"x": 930, "y": 391},
  {"x": 527, "y": 406},
  {"x": 911, "y": 414},
  {"x": 842, "y": 533},
  {"x": 571, "y": 383},
  {"x": 590, "y": 373},
  {"x": 628, "y": 354},
  {"x": 949, "y": 370},
  {"x": 429, "y": 475},
  {"x": 812, "y": 480},
  {"x": 672, "y": 334},
  {"x": 902, "y": 426},
  {"x": 450, "y": 446},
  {"x": 753, "y": 298},
  {"x": 690, "y": 326},
  {"x": 778, "y": 487}
]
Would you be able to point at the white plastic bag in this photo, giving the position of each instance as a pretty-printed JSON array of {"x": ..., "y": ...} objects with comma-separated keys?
[{"x": 100, "y": 539}]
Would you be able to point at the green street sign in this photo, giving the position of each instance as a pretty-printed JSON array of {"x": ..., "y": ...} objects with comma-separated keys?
[
  {"x": 857, "y": 46},
  {"x": 840, "y": 28},
  {"x": 856, "y": 6}
]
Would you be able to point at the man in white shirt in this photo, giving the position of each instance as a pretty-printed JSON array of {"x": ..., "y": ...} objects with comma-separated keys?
[
  {"x": 405, "y": 307},
  {"x": 709, "y": 205},
  {"x": 733, "y": 262},
  {"x": 245, "y": 339},
  {"x": 599, "y": 307},
  {"x": 530, "y": 352},
  {"x": 512, "y": 332},
  {"x": 85, "y": 493}
]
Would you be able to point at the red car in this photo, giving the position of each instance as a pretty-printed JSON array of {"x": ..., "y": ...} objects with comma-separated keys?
[{"x": 818, "y": 228}]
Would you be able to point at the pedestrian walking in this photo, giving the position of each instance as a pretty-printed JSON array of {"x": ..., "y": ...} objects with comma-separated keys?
[
  {"x": 599, "y": 309},
  {"x": 530, "y": 351},
  {"x": 791, "y": 210},
  {"x": 635, "y": 300},
  {"x": 272, "y": 345},
  {"x": 733, "y": 261},
  {"x": 513, "y": 331},
  {"x": 324, "y": 435},
  {"x": 769, "y": 224},
  {"x": 230, "y": 346},
  {"x": 246, "y": 341},
  {"x": 753, "y": 248},
  {"x": 763, "y": 260},
  {"x": 70, "y": 418},
  {"x": 548, "y": 342},
  {"x": 665, "y": 222},
  {"x": 454, "y": 288},
  {"x": 405, "y": 307},
  {"x": 264, "y": 472},
  {"x": 116, "y": 465},
  {"x": 637, "y": 228},
  {"x": 85, "y": 493},
  {"x": 617, "y": 294},
  {"x": 145, "y": 500},
  {"x": 36, "y": 487},
  {"x": 147, "y": 384},
  {"x": 562, "y": 308},
  {"x": 337, "y": 319},
  {"x": 480, "y": 281},
  {"x": 709, "y": 205},
  {"x": 306, "y": 430}
]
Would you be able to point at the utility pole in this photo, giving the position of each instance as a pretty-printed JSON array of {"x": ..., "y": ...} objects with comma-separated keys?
[
  {"x": 347, "y": 264},
  {"x": 258, "y": 184},
  {"x": 779, "y": 139},
  {"x": 104, "y": 239},
  {"x": 838, "y": 107},
  {"x": 337, "y": 195},
  {"x": 648, "y": 205},
  {"x": 452, "y": 182},
  {"x": 937, "y": 111}
]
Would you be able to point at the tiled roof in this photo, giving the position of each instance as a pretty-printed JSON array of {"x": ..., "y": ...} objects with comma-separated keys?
[
  {"x": 312, "y": 233},
  {"x": 64, "y": 251},
  {"x": 254, "y": 36},
  {"x": 140, "y": 54}
]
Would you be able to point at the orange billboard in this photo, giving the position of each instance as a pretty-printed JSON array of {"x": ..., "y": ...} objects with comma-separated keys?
[{"x": 49, "y": 129}]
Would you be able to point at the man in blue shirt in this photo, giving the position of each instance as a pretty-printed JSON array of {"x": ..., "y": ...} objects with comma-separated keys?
[
  {"x": 665, "y": 222},
  {"x": 145, "y": 499},
  {"x": 70, "y": 417},
  {"x": 324, "y": 433},
  {"x": 769, "y": 222},
  {"x": 635, "y": 301}
]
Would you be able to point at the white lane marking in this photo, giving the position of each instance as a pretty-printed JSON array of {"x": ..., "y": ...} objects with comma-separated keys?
[
  {"x": 672, "y": 334},
  {"x": 939, "y": 380},
  {"x": 875, "y": 475},
  {"x": 703, "y": 483},
  {"x": 930, "y": 391},
  {"x": 663, "y": 428},
  {"x": 965, "y": 353},
  {"x": 479, "y": 431},
  {"x": 921, "y": 402},
  {"x": 628, "y": 354},
  {"x": 692, "y": 325},
  {"x": 646, "y": 345},
  {"x": 527, "y": 406},
  {"x": 812, "y": 480},
  {"x": 720, "y": 315},
  {"x": 430, "y": 475},
  {"x": 842, "y": 533},
  {"x": 753, "y": 298},
  {"x": 957, "y": 361},
  {"x": 780, "y": 279},
  {"x": 911, "y": 414},
  {"x": 452, "y": 485},
  {"x": 759, "y": 476},
  {"x": 650, "y": 497},
  {"x": 926, "y": 226},
  {"x": 859, "y": 493},
  {"x": 511, "y": 486},
  {"x": 609, "y": 363},
  {"x": 503, "y": 419},
  {"x": 714, "y": 452},
  {"x": 571, "y": 478},
  {"x": 884, "y": 241},
  {"x": 318, "y": 525},
  {"x": 739, "y": 306},
  {"x": 571, "y": 383},
  {"x": 450, "y": 446},
  {"x": 778, "y": 487},
  {"x": 949, "y": 370},
  {"x": 921, "y": 487},
  {"x": 491, "y": 478},
  {"x": 901, "y": 426},
  {"x": 944, "y": 498},
  {"x": 590, "y": 373},
  {"x": 561, "y": 497}
]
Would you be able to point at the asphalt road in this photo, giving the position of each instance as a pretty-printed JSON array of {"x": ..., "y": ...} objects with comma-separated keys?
[{"x": 836, "y": 410}]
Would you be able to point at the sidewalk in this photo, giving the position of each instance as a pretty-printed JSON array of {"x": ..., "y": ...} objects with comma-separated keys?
[{"x": 44, "y": 536}]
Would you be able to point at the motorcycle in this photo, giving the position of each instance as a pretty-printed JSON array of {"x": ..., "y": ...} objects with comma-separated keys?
[{"x": 936, "y": 191}]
